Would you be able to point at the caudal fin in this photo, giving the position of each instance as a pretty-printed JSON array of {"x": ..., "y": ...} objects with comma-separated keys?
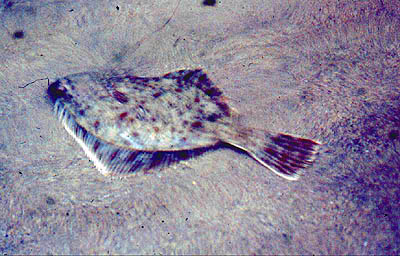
[
  {"x": 287, "y": 155},
  {"x": 283, "y": 154}
]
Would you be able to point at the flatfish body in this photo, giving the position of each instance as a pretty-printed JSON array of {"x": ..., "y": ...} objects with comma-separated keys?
[{"x": 127, "y": 123}]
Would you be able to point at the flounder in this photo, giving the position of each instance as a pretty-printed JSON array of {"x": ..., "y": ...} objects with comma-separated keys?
[{"x": 127, "y": 123}]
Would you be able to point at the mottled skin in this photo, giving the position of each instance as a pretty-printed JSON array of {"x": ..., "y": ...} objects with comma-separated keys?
[
  {"x": 127, "y": 123},
  {"x": 181, "y": 110}
]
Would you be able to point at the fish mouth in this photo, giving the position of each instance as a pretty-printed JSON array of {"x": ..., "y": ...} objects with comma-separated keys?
[{"x": 57, "y": 91}]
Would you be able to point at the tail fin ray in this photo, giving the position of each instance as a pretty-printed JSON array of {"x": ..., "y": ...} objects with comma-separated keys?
[{"x": 284, "y": 154}]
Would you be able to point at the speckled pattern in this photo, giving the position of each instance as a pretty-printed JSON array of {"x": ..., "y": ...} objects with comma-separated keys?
[
  {"x": 122, "y": 120},
  {"x": 181, "y": 110}
]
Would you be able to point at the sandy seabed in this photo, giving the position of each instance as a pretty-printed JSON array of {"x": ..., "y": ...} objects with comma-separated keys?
[{"x": 325, "y": 70}]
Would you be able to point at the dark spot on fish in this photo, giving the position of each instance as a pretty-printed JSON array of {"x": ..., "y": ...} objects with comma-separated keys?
[
  {"x": 197, "y": 99},
  {"x": 173, "y": 129},
  {"x": 82, "y": 112},
  {"x": 185, "y": 122},
  {"x": 156, "y": 129},
  {"x": 213, "y": 117},
  {"x": 19, "y": 34},
  {"x": 178, "y": 90},
  {"x": 189, "y": 106},
  {"x": 135, "y": 134},
  {"x": 224, "y": 107},
  {"x": 188, "y": 76},
  {"x": 197, "y": 124},
  {"x": 157, "y": 94},
  {"x": 184, "y": 139},
  {"x": 213, "y": 92},
  {"x": 203, "y": 78},
  {"x": 200, "y": 110},
  {"x": 120, "y": 97},
  {"x": 123, "y": 115},
  {"x": 131, "y": 120},
  {"x": 153, "y": 119},
  {"x": 142, "y": 102}
]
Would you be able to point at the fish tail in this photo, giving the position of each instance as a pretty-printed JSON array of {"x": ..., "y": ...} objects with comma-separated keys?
[{"x": 284, "y": 154}]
